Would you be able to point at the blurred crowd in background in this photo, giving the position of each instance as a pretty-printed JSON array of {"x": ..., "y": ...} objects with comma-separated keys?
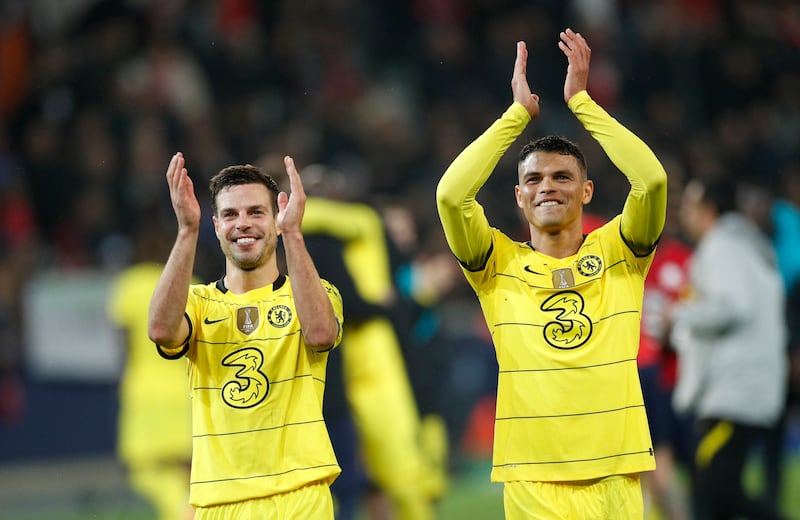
[{"x": 96, "y": 96}]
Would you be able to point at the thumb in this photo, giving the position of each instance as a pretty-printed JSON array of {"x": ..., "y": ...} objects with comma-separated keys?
[{"x": 283, "y": 201}]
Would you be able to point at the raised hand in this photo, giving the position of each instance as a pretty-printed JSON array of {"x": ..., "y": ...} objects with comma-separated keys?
[
  {"x": 181, "y": 193},
  {"x": 519, "y": 82},
  {"x": 578, "y": 56},
  {"x": 292, "y": 206}
]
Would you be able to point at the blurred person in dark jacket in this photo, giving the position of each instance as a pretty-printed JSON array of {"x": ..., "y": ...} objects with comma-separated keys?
[{"x": 386, "y": 448}]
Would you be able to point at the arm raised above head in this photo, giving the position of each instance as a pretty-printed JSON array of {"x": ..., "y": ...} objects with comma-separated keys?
[
  {"x": 318, "y": 321},
  {"x": 465, "y": 225},
  {"x": 166, "y": 325},
  {"x": 645, "y": 207}
]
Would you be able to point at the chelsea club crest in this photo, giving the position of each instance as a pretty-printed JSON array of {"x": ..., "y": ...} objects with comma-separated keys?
[{"x": 590, "y": 265}]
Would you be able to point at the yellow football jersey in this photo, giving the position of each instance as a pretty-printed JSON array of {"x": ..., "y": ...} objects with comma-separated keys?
[
  {"x": 566, "y": 335},
  {"x": 256, "y": 394}
]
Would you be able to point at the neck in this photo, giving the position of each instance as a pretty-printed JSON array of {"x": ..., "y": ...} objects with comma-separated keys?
[
  {"x": 706, "y": 224},
  {"x": 239, "y": 281},
  {"x": 558, "y": 244}
]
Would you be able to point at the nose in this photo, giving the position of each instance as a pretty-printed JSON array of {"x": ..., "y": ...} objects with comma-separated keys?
[
  {"x": 242, "y": 220},
  {"x": 546, "y": 185}
]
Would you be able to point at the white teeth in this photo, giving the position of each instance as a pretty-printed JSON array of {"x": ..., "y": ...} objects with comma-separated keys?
[
  {"x": 549, "y": 203},
  {"x": 245, "y": 240}
]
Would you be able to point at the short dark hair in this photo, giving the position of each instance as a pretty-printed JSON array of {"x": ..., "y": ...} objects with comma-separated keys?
[
  {"x": 242, "y": 174},
  {"x": 721, "y": 194},
  {"x": 554, "y": 144}
]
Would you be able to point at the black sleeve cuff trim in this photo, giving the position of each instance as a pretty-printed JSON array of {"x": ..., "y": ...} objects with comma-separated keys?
[
  {"x": 632, "y": 249},
  {"x": 482, "y": 266},
  {"x": 184, "y": 346}
]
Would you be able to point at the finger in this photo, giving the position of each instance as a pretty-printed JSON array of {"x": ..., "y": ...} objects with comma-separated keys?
[
  {"x": 180, "y": 164},
  {"x": 189, "y": 184},
  {"x": 571, "y": 39},
  {"x": 283, "y": 201},
  {"x": 172, "y": 168},
  {"x": 580, "y": 44},
  {"x": 575, "y": 41},
  {"x": 176, "y": 174},
  {"x": 291, "y": 171},
  {"x": 569, "y": 36},
  {"x": 294, "y": 177},
  {"x": 180, "y": 179},
  {"x": 520, "y": 65}
]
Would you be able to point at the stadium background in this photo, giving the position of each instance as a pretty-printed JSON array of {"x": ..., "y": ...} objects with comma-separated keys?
[{"x": 96, "y": 95}]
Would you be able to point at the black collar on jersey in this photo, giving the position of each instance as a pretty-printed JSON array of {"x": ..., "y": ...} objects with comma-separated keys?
[
  {"x": 277, "y": 284},
  {"x": 530, "y": 243}
]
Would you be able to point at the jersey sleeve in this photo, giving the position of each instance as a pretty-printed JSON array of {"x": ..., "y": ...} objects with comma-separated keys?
[
  {"x": 464, "y": 222},
  {"x": 191, "y": 319},
  {"x": 338, "y": 307},
  {"x": 366, "y": 254},
  {"x": 179, "y": 351},
  {"x": 347, "y": 221},
  {"x": 645, "y": 207}
]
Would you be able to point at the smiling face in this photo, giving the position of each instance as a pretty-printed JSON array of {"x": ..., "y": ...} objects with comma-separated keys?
[
  {"x": 245, "y": 225},
  {"x": 552, "y": 191}
]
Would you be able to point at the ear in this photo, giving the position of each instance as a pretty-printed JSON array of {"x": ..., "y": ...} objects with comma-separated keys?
[
  {"x": 216, "y": 225},
  {"x": 588, "y": 191},
  {"x": 517, "y": 196}
]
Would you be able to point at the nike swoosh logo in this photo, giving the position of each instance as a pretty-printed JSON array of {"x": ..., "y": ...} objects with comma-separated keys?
[
  {"x": 528, "y": 268},
  {"x": 211, "y": 322}
]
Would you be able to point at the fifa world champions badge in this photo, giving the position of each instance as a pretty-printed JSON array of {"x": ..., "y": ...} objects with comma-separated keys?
[
  {"x": 563, "y": 278},
  {"x": 247, "y": 319}
]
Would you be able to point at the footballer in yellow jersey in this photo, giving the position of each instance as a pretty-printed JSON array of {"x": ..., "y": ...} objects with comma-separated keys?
[
  {"x": 256, "y": 393},
  {"x": 378, "y": 388},
  {"x": 258, "y": 342},
  {"x": 564, "y": 308}
]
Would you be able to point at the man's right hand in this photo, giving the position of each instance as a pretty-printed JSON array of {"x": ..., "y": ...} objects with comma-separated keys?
[
  {"x": 519, "y": 83},
  {"x": 181, "y": 193}
]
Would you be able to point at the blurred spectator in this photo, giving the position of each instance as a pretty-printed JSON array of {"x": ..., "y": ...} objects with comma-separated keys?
[
  {"x": 15, "y": 56},
  {"x": 19, "y": 238},
  {"x": 373, "y": 368},
  {"x": 783, "y": 219},
  {"x": 667, "y": 281},
  {"x": 154, "y": 425},
  {"x": 11, "y": 388},
  {"x": 731, "y": 340}
]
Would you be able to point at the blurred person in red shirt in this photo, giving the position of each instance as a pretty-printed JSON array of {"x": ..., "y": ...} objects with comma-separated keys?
[{"x": 666, "y": 283}]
